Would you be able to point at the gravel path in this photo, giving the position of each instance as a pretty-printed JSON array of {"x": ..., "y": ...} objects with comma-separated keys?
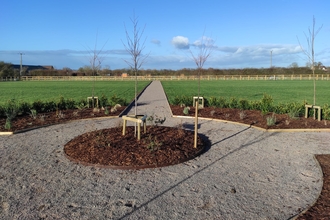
[{"x": 246, "y": 174}]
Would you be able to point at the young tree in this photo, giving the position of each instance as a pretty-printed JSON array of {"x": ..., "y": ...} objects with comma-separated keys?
[
  {"x": 205, "y": 47},
  {"x": 134, "y": 47},
  {"x": 95, "y": 63},
  {"x": 309, "y": 52}
]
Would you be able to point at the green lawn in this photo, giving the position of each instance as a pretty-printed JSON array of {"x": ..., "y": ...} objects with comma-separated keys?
[
  {"x": 281, "y": 91},
  {"x": 30, "y": 91}
]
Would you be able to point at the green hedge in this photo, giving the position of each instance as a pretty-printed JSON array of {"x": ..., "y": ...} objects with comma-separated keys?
[
  {"x": 265, "y": 105},
  {"x": 13, "y": 107}
]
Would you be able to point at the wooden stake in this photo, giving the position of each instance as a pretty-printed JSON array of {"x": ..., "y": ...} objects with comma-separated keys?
[{"x": 196, "y": 124}]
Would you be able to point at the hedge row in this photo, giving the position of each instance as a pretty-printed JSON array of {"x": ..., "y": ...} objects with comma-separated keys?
[
  {"x": 265, "y": 105},
  {"x": 13, "y": 107}
]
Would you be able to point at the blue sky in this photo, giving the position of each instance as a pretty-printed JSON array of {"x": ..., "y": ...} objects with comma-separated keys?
[{"x": 62, "y": 33}]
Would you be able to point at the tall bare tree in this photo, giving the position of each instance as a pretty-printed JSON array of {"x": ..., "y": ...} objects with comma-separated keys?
[
  {"x": 205, "y": 47},
  {"x": 134, "y": 46},
  {"x": 310, "y": 52},
  {"x": 95, "y": 62}
]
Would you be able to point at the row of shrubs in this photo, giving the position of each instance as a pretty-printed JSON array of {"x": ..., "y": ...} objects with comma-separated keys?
[
  {"x": 265, "y": 105},
  {"x": 24, "y": 108}
]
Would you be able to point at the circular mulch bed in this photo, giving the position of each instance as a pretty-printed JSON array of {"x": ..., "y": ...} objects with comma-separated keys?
[{"x": 159, "y": 146}]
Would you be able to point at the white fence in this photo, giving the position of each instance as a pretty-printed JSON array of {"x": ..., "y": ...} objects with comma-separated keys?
[{"x": 162, "y": 78}]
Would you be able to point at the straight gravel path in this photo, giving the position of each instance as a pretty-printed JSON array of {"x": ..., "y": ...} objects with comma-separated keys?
[{"x": 246, "y": 174}]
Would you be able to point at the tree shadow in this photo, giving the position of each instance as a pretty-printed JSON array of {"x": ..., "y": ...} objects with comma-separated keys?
[{"x": 256, "y": 140}]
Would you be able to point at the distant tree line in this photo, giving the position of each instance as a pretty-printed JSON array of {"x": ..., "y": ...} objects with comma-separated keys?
[{"x": 6, "y": 70}]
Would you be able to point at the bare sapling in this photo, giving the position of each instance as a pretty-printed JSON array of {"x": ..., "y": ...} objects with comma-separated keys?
[
  {"x": 309, "y": 51},
  {"x": 134, "y": 46},
  {"x": 205, "y": 47}
]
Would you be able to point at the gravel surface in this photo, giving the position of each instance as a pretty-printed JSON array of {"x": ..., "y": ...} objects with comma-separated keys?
[{"x": 246, "y": 174}]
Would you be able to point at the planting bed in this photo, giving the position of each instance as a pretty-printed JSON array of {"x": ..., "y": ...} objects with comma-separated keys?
[
  {"x": 20, "y": 123},
  {"x": 255, "y": 118},
  {"x": 159, "y": 146}
]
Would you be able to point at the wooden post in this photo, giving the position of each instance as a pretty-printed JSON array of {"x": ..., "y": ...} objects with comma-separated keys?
[{"x": 196, "y": 124}]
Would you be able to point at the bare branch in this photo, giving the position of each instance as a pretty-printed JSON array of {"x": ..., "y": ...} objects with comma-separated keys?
[
  {"x": 134, "y": 46},
  {"x": 310, "y": 53}
]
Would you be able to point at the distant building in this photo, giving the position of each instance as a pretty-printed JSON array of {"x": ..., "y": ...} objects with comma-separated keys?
[{"x": 323, "y": 68}]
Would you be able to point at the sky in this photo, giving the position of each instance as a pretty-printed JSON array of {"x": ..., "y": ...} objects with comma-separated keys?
[{"x": 242, "y": 33}]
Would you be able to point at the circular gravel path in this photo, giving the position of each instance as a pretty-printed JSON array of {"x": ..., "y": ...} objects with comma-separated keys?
[{"x": 246, "y": 174}]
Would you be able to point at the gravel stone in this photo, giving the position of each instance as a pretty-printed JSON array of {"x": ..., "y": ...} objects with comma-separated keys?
[{"x": 246, "y": 174}]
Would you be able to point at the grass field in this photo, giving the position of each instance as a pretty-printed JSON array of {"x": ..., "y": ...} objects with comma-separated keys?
[
  {"x": 281, "y": 91},
  {"x": 30, "y": 91}
]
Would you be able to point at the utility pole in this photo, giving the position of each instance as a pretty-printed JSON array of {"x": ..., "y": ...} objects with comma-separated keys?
[
  {"x": 271, "y": 58},
  {"x": 21, "y": 68}
]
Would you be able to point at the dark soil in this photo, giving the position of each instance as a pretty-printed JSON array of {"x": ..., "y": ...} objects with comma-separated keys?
[
  {"x": 162, "y": 146},
  {"x": 23, "y": 122},
  {"x": 321, "y": 209},
  {"x": 255, "y": 118},
  {"x": 159, "y": 146}
]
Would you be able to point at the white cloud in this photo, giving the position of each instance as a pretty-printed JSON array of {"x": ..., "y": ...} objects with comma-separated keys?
[
  {"x": 180, "y": 42},
  {"x": 204, "y": 41},
  {"x": 222, "y": 57}
]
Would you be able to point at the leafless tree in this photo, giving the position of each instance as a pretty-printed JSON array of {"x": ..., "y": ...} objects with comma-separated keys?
[
  {"x": 205, "y": 47},
  {"x": 95, "y": 62},
  {"x": 309, "y": 51},
  {"x": 134, "y": 46}
]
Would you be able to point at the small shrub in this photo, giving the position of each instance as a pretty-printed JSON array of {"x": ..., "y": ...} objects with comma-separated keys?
[
  {"x": 212, "y": 101},
  {"x": 222, "y": 103},
  {"x": 271, "y": 120},
  {"x": 33, "y": 113},
  {"x": 103, "y": 101},
  {"x": 243, "y": 104},
  {"x": 8, "y": 124},
  {"x": 255, "y": 105},
  {"x": 116, "y": 100},
  {"x": 24, "y": 108},
  {"x": 293, "y": 114},
  {"x": 242, "y": 115},
  {"x": 61, "y": 104},
  {"x": 2, "y": 111},
  {"x": 106, "y": 110},
  {"x": 11, "y": 110},
  {"x": 49, "y": 106},
  {"x": 38, "y": 105},
  {"x": 70, "y": 104},
  {"x": 326, "y": 112},
  {"x": 114, "y": 108},
  {"x": 60, "y": 114},
  {"x": 81, "y": 105},
  {"x": 186, "y": 110},
  {"x": 176, "y": 100},
  {"x": 266, "y": 103},
  {"x": 42, "y": 117},
  {"x": 181, "y": 100},
  {"x": 153, "y": 144},
  {"x": 233, "y": 103},
  {"x": 287, "y": 122}
]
